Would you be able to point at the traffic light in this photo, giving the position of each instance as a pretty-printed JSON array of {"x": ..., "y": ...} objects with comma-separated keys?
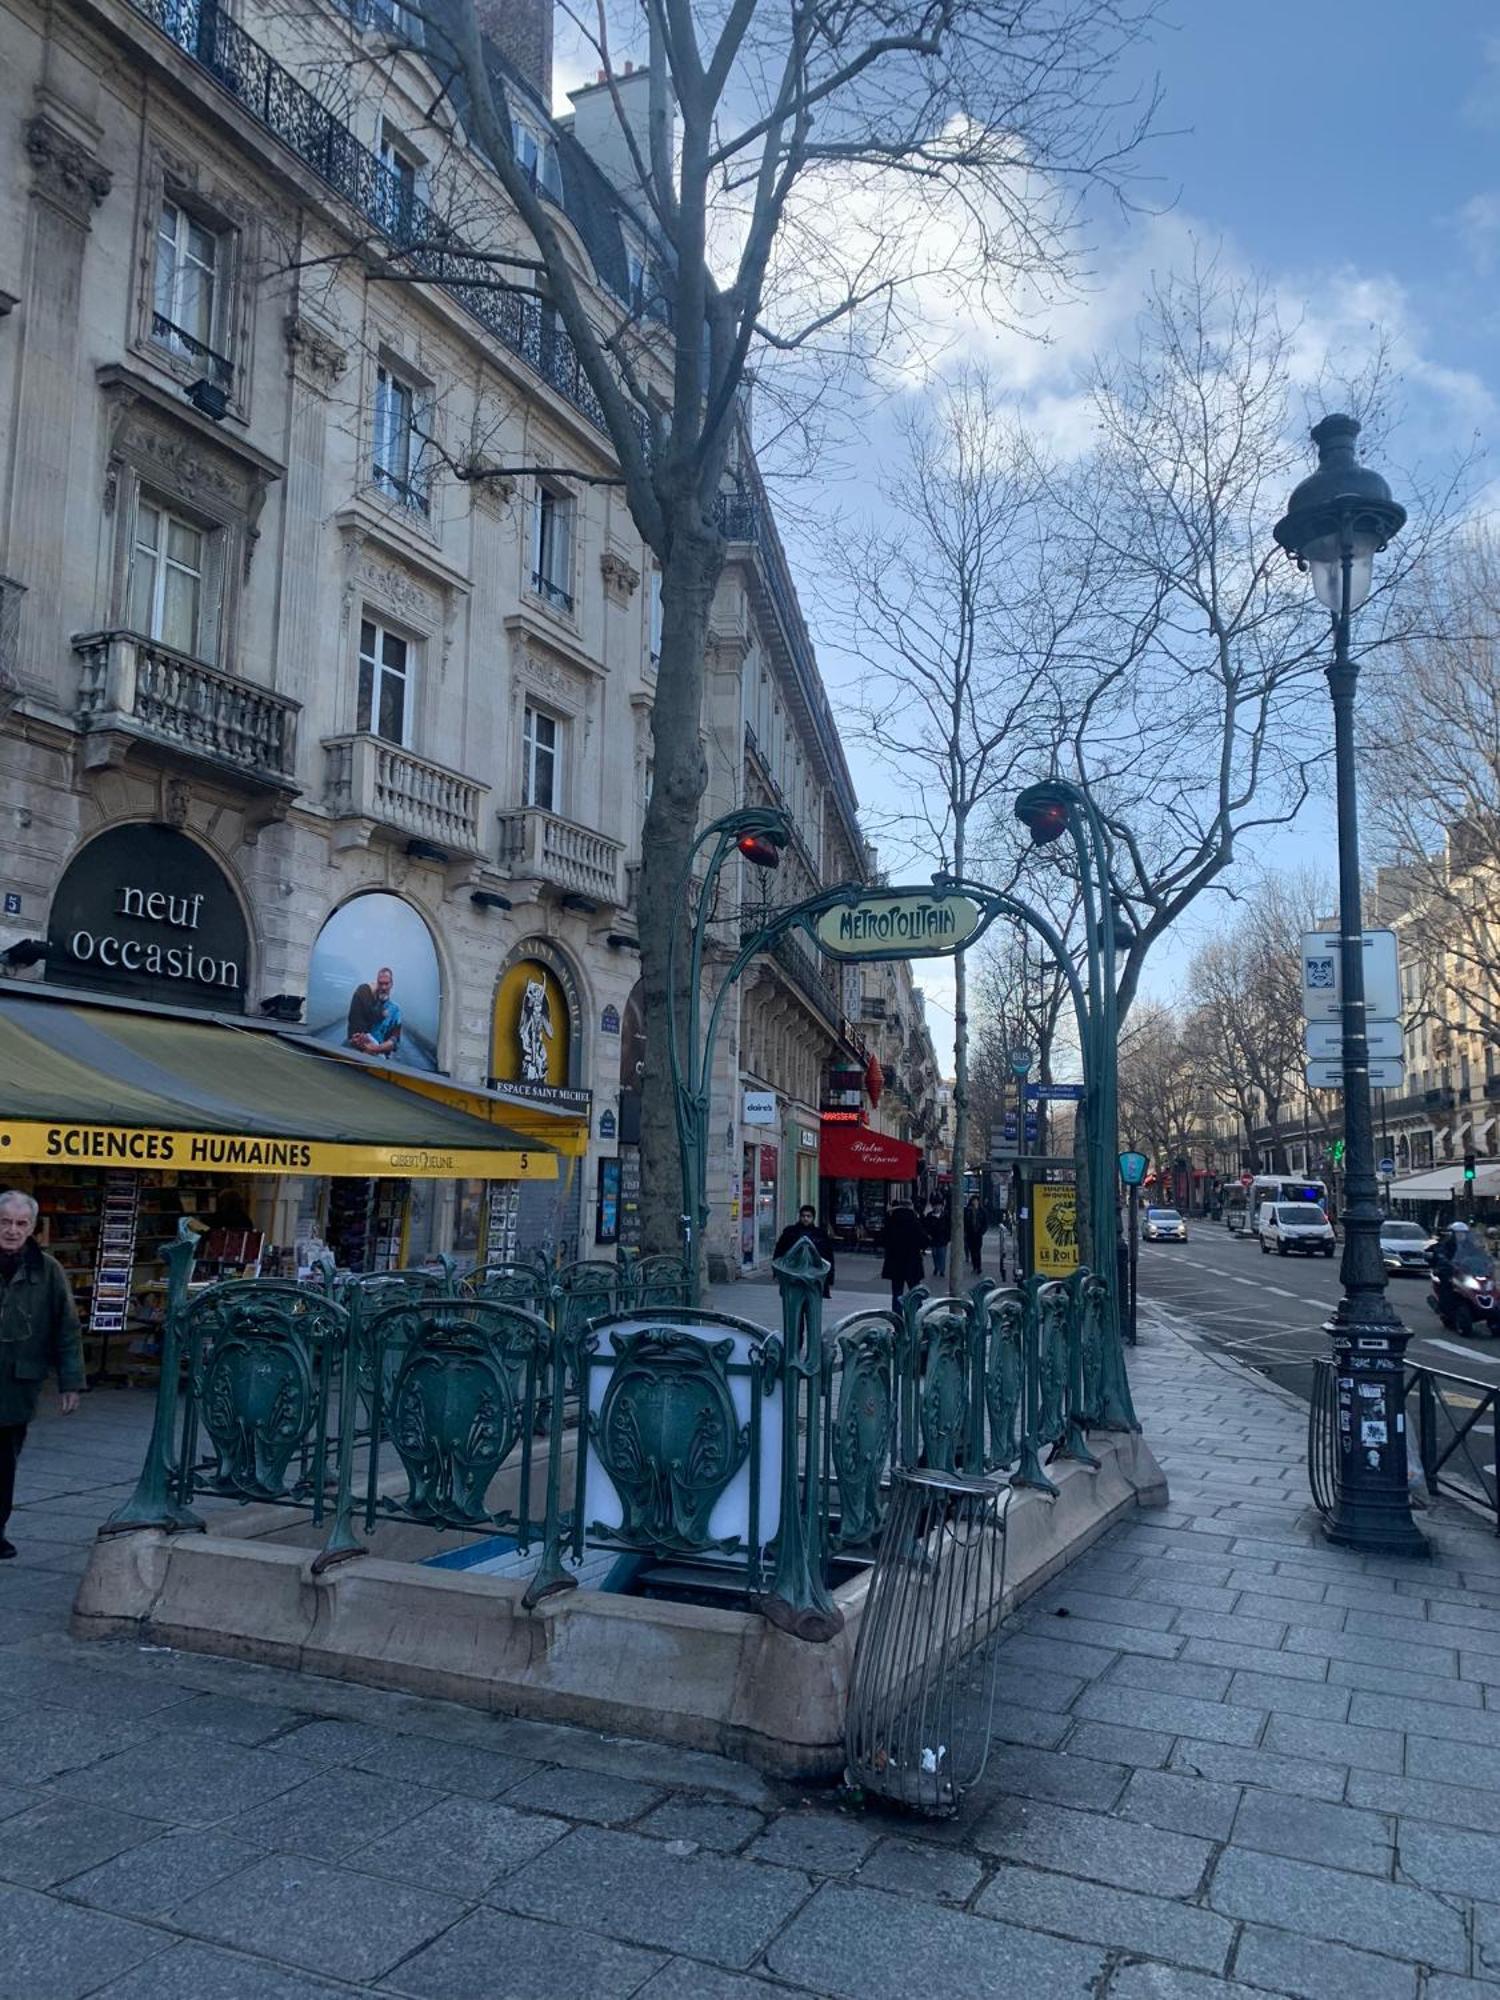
[{"x": 1469, "y": 1166}]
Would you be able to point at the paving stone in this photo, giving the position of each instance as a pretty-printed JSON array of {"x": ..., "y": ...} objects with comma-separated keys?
[
  {"x": 1395, "y": 1713},
  {"x": 1237, "y": 1630},
  {"x": 1178, "y": 1715},
  {"x": 1315, "y": 1969},
  {"x": 1036, "y": 1728},
  {"x": 1276, "y": 1584},
  {"x": 1463, "y": 1864},
  {"x": 662, "y": 1766},
  {"x": 1063, "y": 1776},
  {"x": 705, "y": 1822},
  {"x": 144, "y": 1881},
  {"x": 446, "y": 1767},
  {"x": 329, "y": 1920},
  {"x": 1025, "y": 1653},
  {"x": 1113, "y": 1743},
  {"x": 1114, "y": 1636},
  {"x": 706, "y": 1905},
  {"x": 1186, "y": 1592},
  {"x": 1282, "y": 1609},
  {"x": 1289, "y": 1696},
  {"x": 325, "y": 1741},
  {"x": 1452, "y": 1763},
  {"x": 1268, "y": 1662},
  {"x": 1183, "y": 1804},
  {"x": 1234, "y": 1764},
  {"x": 1364, "y": 1749},
  {"x": 44, "y": 1742},
  {"x": 1426, "y": 1799},
  {"x": 51, "y": 1951},
  {"x": 1116, "y": 1918},
  {"x": 1053, "y": 1694},
  {"x": 1060, "y": 1600},
  {"x": 921, "y": 1868},
  {"x": 1444, "y": 1986},
  {"x": 54, "y": 1839},
  {"x": 1087, "y": 1844},
  {"x": 332, "y": 1814},
  {"x": 822, "y": 1843},
  {"x": 857, "y": 1944},
  {"x": 1421, "y": 1687},
  {"x": 1167, "y": 1982},
  {"x": 1473, "y": 1616},
  {"x": 1406, "y": 1655},
  {"x": 1487, "y": 1940},
  {"x": 1312, "y": 1830},
  {"x": 1182, "y": 1676},
  {"x": 590, "y": 1795},
  {"x": 460, "y": 1847},
  {"x": 1350, "y": 1909},
  {"x": 685, "y": 1980},
  {"x": 228, "y": 1716},
  {"x": 533, "y": 1961},
  {"x": 189, "y": 1782},
  {"x": 190, "y": 1970}
]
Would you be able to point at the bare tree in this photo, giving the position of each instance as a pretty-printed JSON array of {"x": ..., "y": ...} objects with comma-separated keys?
[
  {"x": 1159, "y": 1092},
  {"x": 956, "y": 642},
  {"x": 805, "y": 174},
  {"x": 1433, "y": 746}
]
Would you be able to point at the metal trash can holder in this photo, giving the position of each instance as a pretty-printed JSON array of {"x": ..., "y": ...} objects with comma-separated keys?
[{"x": 922, "y": 1693}]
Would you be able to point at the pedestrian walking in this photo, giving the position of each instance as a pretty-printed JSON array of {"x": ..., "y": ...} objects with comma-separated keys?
[
  {"x": 976, "y": 1222},
  {"x": 805, "y": 1229},
  {"x": 38, "y": 1336},
  {"x": 1005, "y": 1244},
  {"x": 935, "y": 1223},
  {"x": 903, "y": 1239}
]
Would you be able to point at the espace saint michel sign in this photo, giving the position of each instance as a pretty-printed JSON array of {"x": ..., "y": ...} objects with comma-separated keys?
[{"x": 900, "y": 923}]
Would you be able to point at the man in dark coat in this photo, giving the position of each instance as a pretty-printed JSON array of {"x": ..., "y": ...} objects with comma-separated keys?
[
  {"x": 903, "y": 1239},
  {"x": 806, "y": 1227},
  {"x": 976, "y": 1222},
  {"x": 38, "y": 1335}
]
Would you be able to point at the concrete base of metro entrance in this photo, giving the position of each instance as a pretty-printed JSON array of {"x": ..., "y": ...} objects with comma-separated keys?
[{"x": 705, "y": 1678}]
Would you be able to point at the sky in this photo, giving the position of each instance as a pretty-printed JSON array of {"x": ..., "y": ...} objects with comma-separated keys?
[{"x": 1346, "y": 150}]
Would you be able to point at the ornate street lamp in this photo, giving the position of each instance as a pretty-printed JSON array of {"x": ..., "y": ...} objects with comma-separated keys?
[{"x": 1336, "y": 523}]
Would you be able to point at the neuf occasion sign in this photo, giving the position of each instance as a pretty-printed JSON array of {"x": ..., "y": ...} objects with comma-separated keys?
[
  {"x": 900, "y": 923},
  {"x": 35, "y": 1142}
]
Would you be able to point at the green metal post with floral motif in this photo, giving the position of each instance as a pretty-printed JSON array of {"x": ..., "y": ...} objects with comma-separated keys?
[
  {"x": 798, "y": 1600},
  {"x": 152, "y": 1505}
]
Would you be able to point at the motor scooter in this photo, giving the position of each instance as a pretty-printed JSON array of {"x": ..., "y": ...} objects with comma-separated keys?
[{"x": 1465, "y": 1298}]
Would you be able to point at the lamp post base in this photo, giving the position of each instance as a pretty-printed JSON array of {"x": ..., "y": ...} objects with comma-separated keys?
[{"x": 1372, "y": 1500}]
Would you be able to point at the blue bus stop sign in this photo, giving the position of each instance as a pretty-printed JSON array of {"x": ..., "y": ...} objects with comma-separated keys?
[{"x": 1133, "y": 1168}]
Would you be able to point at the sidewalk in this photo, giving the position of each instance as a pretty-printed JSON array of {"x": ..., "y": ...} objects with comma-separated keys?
[{"x": 1229, "y": 1761}]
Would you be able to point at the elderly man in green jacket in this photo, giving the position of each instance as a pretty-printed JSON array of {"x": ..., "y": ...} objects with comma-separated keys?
[{"x": 38, "y": 1336}]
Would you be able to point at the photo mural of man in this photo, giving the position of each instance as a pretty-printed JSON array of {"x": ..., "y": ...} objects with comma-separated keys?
[{"x": 374, "y": 1016}]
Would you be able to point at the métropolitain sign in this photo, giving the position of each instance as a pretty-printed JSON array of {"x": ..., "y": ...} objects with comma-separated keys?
[{"x": 900, "y": 923}]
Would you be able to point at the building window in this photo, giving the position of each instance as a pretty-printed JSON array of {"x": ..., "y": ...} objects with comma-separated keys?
[
  {"x": 398, "y": 457},
  {"x": 655, "y": 614},
  {"x": 552, "y": 547},
  {"x": 537, "y": 156},
  {"x": 385, "y": 665},
  {"x": 541, "y": 760},
  {"x": 168, "y": 558},
  {"x": 391, "y": 19},
  {"x": 396, "y": 196},
  {"x": 187, "y": 299}
]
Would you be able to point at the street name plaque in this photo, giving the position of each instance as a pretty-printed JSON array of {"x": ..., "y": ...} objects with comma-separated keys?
[{"x": 900, "y": 923}]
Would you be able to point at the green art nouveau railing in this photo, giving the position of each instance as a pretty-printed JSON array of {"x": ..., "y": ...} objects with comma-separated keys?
[{"x": 588, "y": 1408}]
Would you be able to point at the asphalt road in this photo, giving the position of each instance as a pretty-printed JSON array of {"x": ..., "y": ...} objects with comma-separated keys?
[{"x": 1270, "y": 1312}]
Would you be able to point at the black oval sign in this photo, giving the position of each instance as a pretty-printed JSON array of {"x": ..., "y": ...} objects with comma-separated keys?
[{"x": 143, "y": 911}]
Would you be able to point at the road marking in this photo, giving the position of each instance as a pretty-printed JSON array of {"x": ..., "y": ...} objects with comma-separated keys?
[
  {"x": 1253, "y": 1283},
  {"x": 1281, "y": 1292},
  {"x": 1450, "y": 1347}
]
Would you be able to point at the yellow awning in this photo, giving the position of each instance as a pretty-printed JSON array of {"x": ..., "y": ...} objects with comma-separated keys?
[{"x": 94, "y": 1085}]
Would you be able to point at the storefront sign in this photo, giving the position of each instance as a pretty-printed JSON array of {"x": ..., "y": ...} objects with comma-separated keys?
[
  {"x": 534, "y": 1037},
  {"x": 254, "y": 1153},
  {"x": 144, "y": 911},
  {"x": 808, "y": 1141},
  {"x": 373, "y": 982},
  {"x": 1054, "y": 1230},
  {"x": 900, "y": 923},
  {"x": 759, "y": 1107}
]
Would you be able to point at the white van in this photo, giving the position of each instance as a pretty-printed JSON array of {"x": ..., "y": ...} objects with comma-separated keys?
[
  {"x": 1301, "y": 1226},
  {"x": 1279, "y": 1188}
]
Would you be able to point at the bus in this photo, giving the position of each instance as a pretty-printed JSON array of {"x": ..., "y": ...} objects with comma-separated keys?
[{"x": 1281, "y": 1187}]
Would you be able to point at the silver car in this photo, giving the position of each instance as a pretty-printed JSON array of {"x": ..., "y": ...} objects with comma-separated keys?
[
  {"x": 1164, "y": 1225},
  {"x": 1405, "y": 1246}
]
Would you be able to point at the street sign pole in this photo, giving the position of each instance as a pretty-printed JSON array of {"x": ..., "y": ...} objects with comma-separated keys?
[{"x": 1132, "y": 1167}]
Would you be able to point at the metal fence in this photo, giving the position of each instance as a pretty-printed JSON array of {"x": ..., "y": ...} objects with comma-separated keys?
[
  {"x": 1452, "y": 1418},
  {"x": 589, "y": 1407}
]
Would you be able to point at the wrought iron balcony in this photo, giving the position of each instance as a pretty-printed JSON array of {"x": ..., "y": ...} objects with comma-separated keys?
[
  {"x": 137, "y": 690},
  {"x": 217, "y": 367},
  {"x": 542, "y": 847},
  {"x": 378, "y": 786},
  {"x": 322, "y": 141}
]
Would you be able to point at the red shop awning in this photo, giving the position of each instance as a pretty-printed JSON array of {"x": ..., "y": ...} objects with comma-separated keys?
[{"x": 854, "y": 1153}]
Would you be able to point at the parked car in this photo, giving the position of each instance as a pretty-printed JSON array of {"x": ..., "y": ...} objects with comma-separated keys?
[
  {"x": 1406, "y": 1246},
  {"x": 1289, "y": 1227},
  {"x": 1164, "y": 1225}
]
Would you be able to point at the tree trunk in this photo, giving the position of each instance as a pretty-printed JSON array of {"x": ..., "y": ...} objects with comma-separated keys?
[{"x": 960, "y": 1118}]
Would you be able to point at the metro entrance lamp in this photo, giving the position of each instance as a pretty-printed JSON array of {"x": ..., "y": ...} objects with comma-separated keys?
[{"x": 1336, "y": 523}]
